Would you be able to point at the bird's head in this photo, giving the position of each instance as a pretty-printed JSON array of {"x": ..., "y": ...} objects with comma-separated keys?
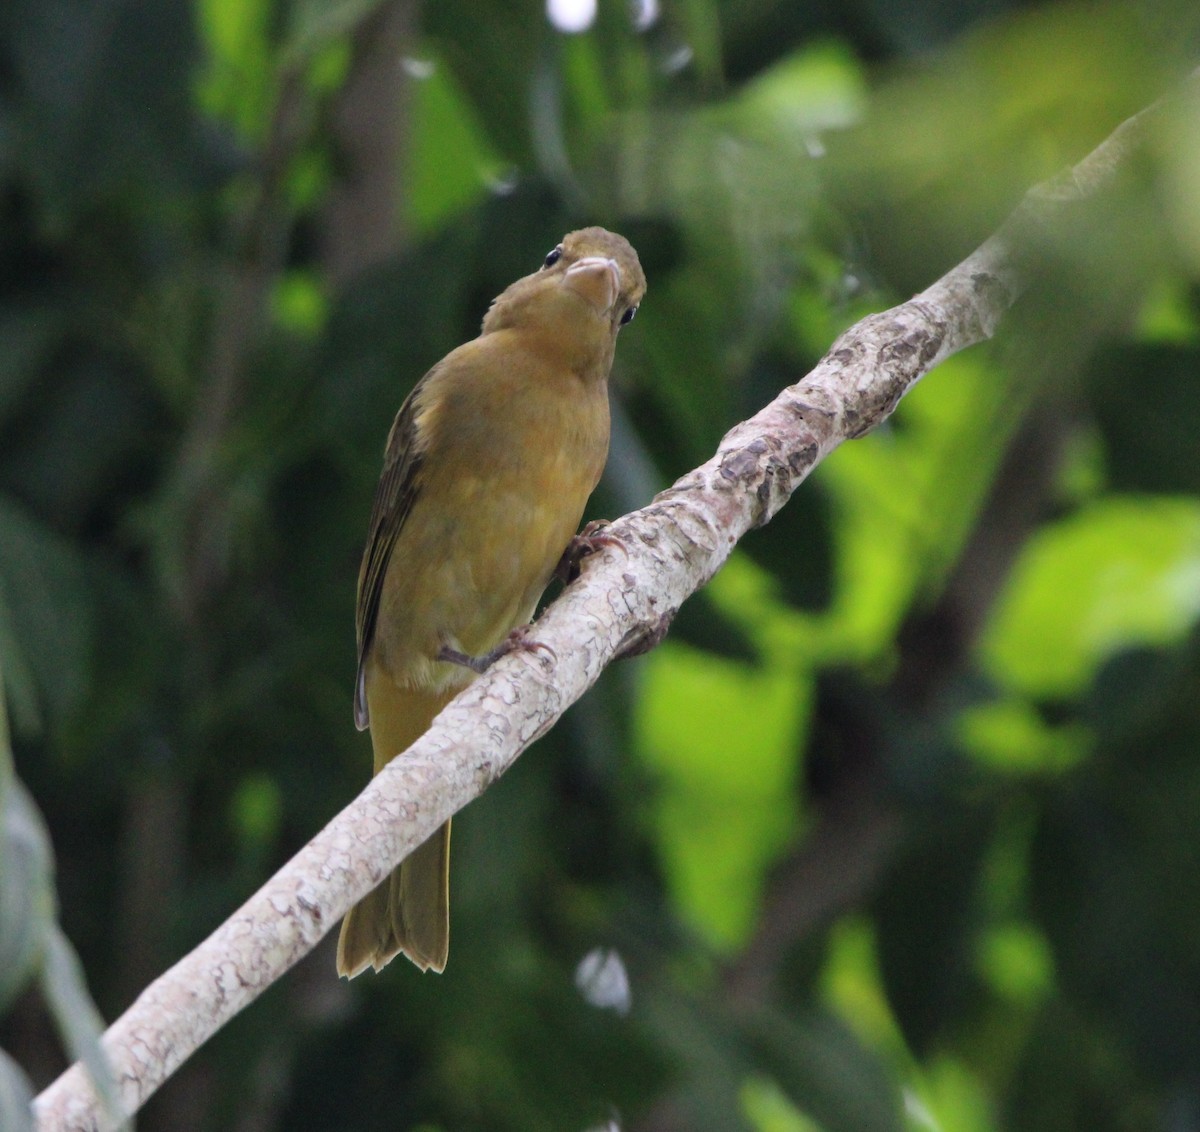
[{"x": 587, "y": 288}]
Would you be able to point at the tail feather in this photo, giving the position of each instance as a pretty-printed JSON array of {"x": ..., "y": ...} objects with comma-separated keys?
[{"x": 409, "y": 911}]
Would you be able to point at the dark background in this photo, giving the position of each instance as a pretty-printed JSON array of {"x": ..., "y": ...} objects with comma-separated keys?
[{"x": 899, "y": 828}]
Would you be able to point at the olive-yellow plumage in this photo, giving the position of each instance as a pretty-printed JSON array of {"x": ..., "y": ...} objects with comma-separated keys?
[{"x": 486, "y": 472}]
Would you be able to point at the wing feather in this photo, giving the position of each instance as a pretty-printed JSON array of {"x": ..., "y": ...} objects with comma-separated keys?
[{"x": 398, "y": 487}]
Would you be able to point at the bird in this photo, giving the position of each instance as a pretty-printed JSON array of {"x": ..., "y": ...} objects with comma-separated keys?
[{"x": 487, "y": 470}]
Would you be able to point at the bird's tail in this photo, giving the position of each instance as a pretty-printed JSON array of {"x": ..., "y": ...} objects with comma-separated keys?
[{"x": 409, "y": 911}]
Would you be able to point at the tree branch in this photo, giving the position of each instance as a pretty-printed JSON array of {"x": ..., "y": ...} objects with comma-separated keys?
[{"x": 669, "y": 549}]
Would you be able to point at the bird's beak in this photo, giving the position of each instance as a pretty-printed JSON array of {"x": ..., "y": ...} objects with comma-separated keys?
[{"x": 597, "y": 279}]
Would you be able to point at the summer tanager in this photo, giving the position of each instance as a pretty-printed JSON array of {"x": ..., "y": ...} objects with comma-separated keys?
[{"x": 486, "y": 472}]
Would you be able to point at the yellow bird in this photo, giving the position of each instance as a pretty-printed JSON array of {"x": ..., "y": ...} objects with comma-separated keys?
[{"x": 486, "y": 472}]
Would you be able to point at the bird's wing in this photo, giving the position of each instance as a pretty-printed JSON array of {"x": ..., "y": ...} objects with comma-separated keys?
[{"x": 394, "y": 497}]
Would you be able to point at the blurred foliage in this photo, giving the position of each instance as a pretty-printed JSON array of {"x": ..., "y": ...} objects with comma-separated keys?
[
  {"x": 897, "y": 829},
  {"x": 32, "y": 943}
]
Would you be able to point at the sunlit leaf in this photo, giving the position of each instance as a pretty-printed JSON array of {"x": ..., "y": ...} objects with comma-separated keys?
[
  {"x": 909, "y": 493},
  {"x": 1122, "y": 572},
  {"x": 820, "y": 88},
  {"x": 453, "y": 165},
  {"x": 1010, "y": 736},
  {"x": 300, "y": 304},
  {"x": 1017, "y": 962},
  {"x": 852, "y": 985},
  {"x": 722, "y": 738},
  {"x": 769, "y": 1110},
  {"x": 1168, "y": 316},
  {"x": 956, "y": 1098},
  {"x": 238, "y": 81}
]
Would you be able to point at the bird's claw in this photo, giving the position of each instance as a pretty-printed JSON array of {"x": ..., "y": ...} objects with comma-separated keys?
[
  {"x": 518, "y": 640},
  {"x": 591, "y": 539}
]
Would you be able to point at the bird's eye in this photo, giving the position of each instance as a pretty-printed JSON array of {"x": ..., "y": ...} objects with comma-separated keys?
[
  {"x": 628, "y": 315},
  {"x": 553, "y": 257}
]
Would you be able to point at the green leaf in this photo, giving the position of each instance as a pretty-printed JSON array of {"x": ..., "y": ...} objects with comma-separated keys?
[
  {"x": 237, "y": 82},
  {"x": 852, "y": 986},
  {"x": 497, "y": 80},
  {"x": 1010, "y": 736},
  {"x": 954, "y": 1098},
  {"x": 769, "y": 1110},
  {"x": 820, "y": 88},
  {"x": 1122, "y": 572},
  {"x": 722, "y": 737},
  {"x": 1168, "y": 316},
  {"x": 452, "y": 162},
  {"x": 1016, "y": 960},
  {"x": 907, "y": 495}
]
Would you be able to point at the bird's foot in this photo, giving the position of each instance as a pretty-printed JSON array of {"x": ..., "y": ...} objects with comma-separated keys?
[
  {"x": 518, "y": 640},
  {"x": 591, "y": 539}
]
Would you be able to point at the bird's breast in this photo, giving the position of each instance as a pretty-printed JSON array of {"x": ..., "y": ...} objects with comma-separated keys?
[{"x": 505, "y": 477}]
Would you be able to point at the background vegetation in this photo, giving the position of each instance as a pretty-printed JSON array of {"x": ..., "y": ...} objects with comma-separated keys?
[{"x": 898, "y": 830}]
